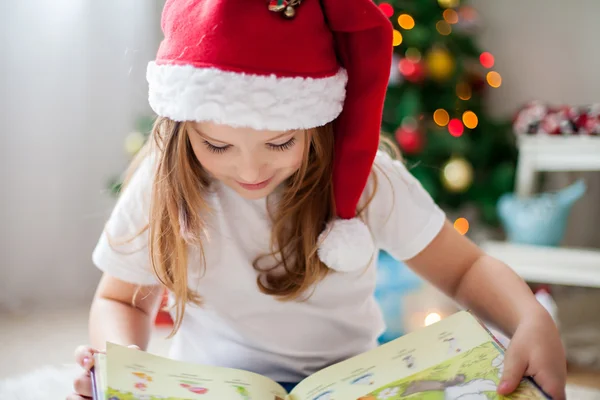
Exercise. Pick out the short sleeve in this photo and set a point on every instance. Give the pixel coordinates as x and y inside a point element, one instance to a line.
<point>402,216</point>
<point>122,250</point>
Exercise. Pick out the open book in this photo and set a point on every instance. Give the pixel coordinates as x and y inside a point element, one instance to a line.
<point>456,358</point>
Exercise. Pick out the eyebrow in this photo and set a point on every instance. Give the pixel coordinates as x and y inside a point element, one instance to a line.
<point>205,136</point>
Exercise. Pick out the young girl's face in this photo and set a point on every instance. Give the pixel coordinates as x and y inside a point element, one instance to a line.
<point>251,162</point>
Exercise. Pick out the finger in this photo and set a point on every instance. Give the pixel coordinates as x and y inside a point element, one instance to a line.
<point>84,356</point>
<point>83,385</point>
<point>133,346</point>
<point>552,385</point>
<point>515,365</point>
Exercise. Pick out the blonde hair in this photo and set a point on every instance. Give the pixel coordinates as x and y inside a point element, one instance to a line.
<point>177,206</point>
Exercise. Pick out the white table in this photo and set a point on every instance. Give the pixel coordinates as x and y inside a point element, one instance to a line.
<point>564,266</point>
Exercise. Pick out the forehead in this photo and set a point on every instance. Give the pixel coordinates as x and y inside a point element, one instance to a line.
<point>228,133</point>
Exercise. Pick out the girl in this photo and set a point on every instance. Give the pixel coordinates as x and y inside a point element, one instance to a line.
<point>261,202</point>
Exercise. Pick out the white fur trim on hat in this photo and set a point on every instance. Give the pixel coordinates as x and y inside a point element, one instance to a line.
<point>346,245</point>
<point>188,93</point>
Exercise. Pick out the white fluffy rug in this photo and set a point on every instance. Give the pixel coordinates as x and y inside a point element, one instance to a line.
<point>56,382</point>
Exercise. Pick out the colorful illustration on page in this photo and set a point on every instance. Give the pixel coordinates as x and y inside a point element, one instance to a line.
<point>328,395</point>
<point>243,392</point>
<point>192,387</point>
<point>141,381</point>
<point>366,379</point>
<point>472,375</point>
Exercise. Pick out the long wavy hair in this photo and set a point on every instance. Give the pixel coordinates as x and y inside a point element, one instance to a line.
<point>177,209</point>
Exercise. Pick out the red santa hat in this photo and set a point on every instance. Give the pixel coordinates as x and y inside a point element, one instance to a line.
<point>283,65</point>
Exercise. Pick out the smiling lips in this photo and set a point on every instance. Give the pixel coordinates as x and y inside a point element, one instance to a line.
<point>255,186</point>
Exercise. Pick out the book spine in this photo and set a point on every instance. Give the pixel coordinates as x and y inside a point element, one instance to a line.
<point>95,393</point>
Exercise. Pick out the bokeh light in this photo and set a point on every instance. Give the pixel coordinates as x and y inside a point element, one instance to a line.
<point>443,28</point>
<point>432,318</point>
<point>463,91</point>
<point>397,39</point>
<point>406,21</point>
<point>486,59</point>
<point>387,9</point>
<point>455,127</point>
<point>413,54</point>
<point>450,16</point>
<point>461,225</point>
<point>441,117</point>
<point>494,79</point>
<point>470,119</point>
<point>407,67</point>
<point>448,3</point>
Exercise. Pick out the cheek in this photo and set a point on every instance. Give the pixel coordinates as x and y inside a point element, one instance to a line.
<point>209,161</point>
<point>294,157</point>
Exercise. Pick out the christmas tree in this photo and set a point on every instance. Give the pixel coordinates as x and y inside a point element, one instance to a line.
<point>434,107</point>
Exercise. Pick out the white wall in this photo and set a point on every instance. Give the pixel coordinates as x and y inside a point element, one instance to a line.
<point>73,85</point>
<point>548,50</point>
<point>544,49</point>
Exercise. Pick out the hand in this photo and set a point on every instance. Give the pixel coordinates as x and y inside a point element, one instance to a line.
<point>84,356</point>
<point>536,350</point>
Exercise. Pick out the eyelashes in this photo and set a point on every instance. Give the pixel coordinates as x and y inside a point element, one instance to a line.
<point>277,147</point>
<point>283,146</point>
<point>215,149</point>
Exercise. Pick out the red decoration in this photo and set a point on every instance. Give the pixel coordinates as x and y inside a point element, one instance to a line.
<point>387,9</point>
<point>537,118</point>
<point>413,71</point>
<point>455,127</point>
<point>410,140</point>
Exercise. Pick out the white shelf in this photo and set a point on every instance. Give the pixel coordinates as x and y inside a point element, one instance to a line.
<point>554,153</point>
<point>561,153</point>
<point>552,265</point>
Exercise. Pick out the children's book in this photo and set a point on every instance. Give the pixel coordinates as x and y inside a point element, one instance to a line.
<point>455,358</point>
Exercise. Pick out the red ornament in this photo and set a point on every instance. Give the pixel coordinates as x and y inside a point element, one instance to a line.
<point>413,71</point>
<point>410,140</point>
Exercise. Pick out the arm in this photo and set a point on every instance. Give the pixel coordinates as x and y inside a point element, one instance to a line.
<point>122,313</point>
<point>496,294</point>
<point>477,281</point>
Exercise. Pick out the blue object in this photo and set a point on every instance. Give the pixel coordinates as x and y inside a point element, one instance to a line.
<point>288,386</point>
<point>394,280</point>
<point>539,220</point>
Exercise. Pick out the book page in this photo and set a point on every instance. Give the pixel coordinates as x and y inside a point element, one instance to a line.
<point>454,358</point>
<point>135,374</point>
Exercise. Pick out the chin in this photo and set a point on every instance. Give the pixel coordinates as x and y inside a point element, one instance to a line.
<point>253,194</point>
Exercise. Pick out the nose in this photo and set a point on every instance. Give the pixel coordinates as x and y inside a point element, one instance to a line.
<point>249,169</point>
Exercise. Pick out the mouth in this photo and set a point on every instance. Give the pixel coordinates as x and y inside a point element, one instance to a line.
<point>255,186</point>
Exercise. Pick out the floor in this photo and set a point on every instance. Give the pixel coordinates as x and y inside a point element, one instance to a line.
<point>49,338</point>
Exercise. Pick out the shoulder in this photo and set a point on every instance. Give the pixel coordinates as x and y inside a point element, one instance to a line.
<point>389,175</point>
<point>401,214</point>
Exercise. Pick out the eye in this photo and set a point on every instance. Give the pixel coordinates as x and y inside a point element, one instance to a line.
<point>215,149</point>
<point>283,146</point>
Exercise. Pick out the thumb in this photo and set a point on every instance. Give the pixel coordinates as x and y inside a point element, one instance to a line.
<point>515,365</point>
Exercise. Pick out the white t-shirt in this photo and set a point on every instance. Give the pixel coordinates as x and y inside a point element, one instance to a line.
<point>240,327</point>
